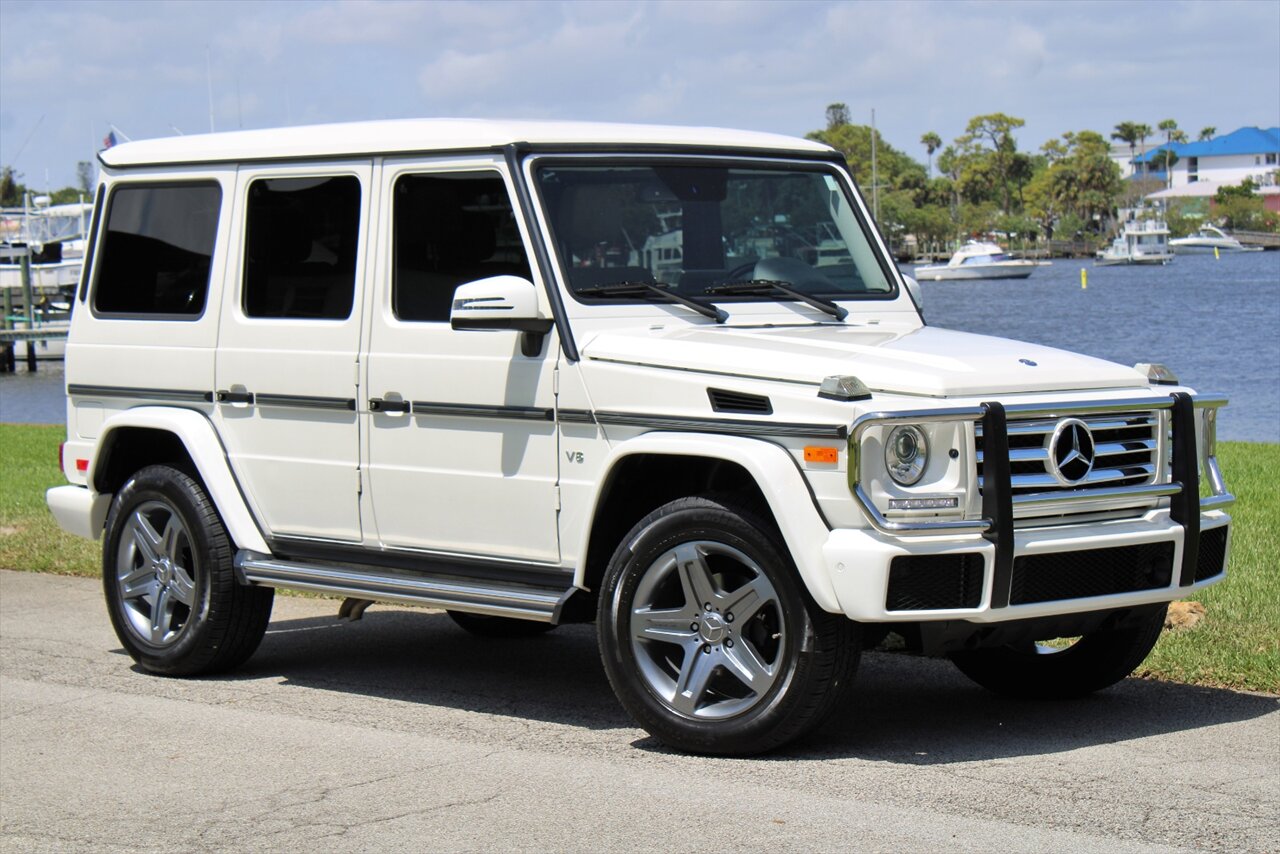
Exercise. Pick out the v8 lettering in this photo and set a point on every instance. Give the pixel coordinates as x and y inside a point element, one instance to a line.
<point>573,456</point>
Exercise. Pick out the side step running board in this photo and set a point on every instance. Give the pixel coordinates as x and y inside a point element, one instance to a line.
<point>494,598</point>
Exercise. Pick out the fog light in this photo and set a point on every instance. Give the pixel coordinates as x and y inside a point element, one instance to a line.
<point>906,453</point>
<point>936,502</point>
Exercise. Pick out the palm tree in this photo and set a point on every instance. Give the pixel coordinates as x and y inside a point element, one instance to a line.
<point>1206,134</point>
<point>1170,128</point>
<point>1127,132</point>
<point>931,142</point>
<point>1142,131</point>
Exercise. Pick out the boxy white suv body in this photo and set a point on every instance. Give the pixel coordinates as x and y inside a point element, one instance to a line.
<point>664,378</point>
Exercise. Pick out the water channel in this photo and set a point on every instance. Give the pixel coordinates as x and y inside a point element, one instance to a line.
<point>1215,322</point>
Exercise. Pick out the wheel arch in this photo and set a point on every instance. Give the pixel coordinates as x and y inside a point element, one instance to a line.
<point>704,463</point>
<point>184,439</point>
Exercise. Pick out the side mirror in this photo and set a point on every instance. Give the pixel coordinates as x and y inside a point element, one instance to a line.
<point>913,291</point>
<point>501,302</point>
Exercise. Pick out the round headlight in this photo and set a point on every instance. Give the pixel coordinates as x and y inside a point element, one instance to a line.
<point>906,453</point>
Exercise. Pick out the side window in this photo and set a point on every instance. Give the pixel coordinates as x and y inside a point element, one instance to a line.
<point>301,241</point>
<point>450,229</point>
<point>157,249</point>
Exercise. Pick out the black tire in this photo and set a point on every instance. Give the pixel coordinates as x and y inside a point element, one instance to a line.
<point>1097,660</point>
<point>801,657</point>
<point>221,622</point>
<point>499,627</point>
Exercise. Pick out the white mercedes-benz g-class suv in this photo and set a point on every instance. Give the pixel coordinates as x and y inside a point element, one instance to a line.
<point>668,379</point>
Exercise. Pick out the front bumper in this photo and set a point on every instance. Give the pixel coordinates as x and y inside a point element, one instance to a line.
<point>873,572</point>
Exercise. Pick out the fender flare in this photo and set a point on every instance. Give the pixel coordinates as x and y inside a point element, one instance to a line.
<point>197,435</point>
<point>775,472</point>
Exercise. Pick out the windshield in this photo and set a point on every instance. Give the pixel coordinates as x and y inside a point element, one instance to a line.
<point>695,230</point>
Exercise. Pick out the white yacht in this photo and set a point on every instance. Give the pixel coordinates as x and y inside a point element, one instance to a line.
<point>1141,241</point>
<point>977,260</point>
<point>1206,240</point>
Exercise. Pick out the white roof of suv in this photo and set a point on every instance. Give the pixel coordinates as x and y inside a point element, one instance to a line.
<point>412,135</point>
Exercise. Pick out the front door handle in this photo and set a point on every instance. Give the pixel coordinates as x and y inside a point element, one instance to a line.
<point>234,396</point>
<point>377,404</point>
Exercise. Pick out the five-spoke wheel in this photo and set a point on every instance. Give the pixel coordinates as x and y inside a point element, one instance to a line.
<point>708,637</point>
<point>168,576</point>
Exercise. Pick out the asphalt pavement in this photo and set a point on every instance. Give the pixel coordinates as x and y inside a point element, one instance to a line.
<point>401,732</point>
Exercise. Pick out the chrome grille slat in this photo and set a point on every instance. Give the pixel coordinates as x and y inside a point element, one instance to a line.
<point>1126,454</point>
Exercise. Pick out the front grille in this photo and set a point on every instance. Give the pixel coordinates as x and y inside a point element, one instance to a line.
<point>1095,572</point>
<point>1126,452</point>
<point>1212,555</point>
<point>926,582</point>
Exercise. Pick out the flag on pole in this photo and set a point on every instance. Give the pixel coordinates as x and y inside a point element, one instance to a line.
<point>109,140</point>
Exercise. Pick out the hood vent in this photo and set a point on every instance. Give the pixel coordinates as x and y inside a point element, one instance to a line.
<point>739,403</point>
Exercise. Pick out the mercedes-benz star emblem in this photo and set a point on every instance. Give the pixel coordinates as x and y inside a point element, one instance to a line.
<point>1071,451</point>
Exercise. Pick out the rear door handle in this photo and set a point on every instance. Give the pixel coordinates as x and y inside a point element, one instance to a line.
<point>234,396</point>
<point>377,404</point>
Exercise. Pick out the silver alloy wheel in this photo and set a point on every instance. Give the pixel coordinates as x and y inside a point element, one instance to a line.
<point>155,573</point>
<point>707,630</point>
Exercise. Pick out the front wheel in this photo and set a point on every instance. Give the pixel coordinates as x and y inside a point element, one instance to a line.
<point>169,581</point>
<point>709,639</point>
<point>1064,668</point>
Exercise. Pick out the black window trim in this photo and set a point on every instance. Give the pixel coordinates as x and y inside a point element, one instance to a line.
<point>418,170</point>
<point>363,236</point>
<point>96,269</point>
<point>91,245</point>
<point>792,161</point>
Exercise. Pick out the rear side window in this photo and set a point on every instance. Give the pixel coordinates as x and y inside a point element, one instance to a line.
<point>450,229</point>
<point>302,238</point>
<point>157,249</point>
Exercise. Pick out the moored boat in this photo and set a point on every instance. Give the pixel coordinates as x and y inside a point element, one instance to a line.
<point>977,260</point>
<point>1207,239</point>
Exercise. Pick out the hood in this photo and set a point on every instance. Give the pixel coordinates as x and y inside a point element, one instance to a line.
<point>919,360</point>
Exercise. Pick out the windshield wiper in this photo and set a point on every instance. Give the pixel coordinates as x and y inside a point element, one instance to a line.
<point>765,286</point>
<point>627,289</point>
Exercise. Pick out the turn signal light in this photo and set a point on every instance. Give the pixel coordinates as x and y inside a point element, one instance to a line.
<point>815,454</point>
<point>82,465</point>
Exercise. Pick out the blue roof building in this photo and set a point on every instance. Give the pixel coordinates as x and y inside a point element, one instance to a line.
<point>1249,152</point>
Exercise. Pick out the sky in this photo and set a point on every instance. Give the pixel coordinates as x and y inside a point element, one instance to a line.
<point>70,71</point>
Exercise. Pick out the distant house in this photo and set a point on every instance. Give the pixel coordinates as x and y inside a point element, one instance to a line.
<point>1229,159</point>
<point>1203,167</point>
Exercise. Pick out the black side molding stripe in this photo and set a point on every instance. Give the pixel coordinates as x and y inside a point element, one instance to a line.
<point>576,416</point>
<point>468,410</point>
<point>730,426</point>
<point>184,395</point>
<point>301,401</point>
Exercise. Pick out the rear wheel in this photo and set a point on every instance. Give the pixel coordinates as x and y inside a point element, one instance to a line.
<point>708,637</point>
<point>1063,668</point>
<point>169,581</point>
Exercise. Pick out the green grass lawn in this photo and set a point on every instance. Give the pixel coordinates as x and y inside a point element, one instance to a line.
<point>1236,645</point>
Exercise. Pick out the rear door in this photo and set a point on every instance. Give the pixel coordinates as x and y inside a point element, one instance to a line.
<point>286,372</point>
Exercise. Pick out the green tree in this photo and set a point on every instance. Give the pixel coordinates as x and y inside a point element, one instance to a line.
<point>931,142</point>
<point>11,191</point>
<point>837,115</point>
<point>1207,133</point>
<point>996,131</point>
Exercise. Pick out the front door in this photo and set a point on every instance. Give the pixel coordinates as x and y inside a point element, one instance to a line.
<point>286,372</point>
<point>462,442</point>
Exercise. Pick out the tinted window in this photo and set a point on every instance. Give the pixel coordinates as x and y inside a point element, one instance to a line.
<point>450,229</point>
<point>157,249</point>
<point>301,244</point>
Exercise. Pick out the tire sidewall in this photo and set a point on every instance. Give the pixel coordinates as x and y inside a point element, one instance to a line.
<point>653,537</point>
<point>177,491</point>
